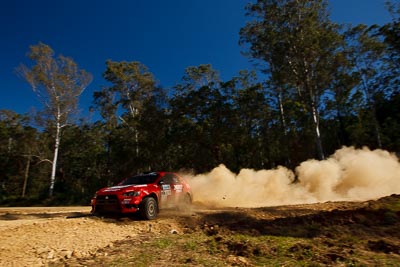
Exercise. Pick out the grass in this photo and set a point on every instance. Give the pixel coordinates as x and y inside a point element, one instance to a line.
<point>198,249</point>
<point>162,243</point>
<point>360,237</point>
<point>202,250</point>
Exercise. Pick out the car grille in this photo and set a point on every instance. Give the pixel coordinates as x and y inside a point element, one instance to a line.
<point>107,200</point>
<point>107,203</point>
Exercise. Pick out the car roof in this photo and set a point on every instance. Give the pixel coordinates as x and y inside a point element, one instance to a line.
<point>161,173</point>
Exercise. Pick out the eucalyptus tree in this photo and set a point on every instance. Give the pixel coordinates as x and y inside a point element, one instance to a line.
<point>392,29</point>
<point>83,162</point>
<point>132,85</point>
<point>132,82</point>
<point>368,53</point>
<point>104,102</point>
<point>341,101</point>
<point>18,144</point>
<point>390,107</point>
<point>196,77</point>
<point>197,109</point>
<point>252,119</point>
<point>58,83</point>
<point>391,34</point>
<point>297,42</point>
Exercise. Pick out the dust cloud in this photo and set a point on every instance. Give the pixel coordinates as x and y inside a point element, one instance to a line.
<point>348,175</point>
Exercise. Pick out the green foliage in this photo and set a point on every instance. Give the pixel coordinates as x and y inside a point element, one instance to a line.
<point>316,75</point>
<point>294,39</point>
<point>58,82</point>
<point>19,142</point>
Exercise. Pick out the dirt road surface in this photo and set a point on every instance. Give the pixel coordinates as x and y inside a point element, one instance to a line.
<point>38,236</point>
<point>47,236</point>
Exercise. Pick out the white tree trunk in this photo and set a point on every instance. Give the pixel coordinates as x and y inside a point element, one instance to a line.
<point>54,163</point>
<point>317,133</point>
<point>26,175</point>
<point>134,113</point>
<point>285,130</point>
<point>282,114</point>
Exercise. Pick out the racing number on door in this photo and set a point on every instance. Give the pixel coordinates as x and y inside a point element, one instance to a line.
<point>165,192</point>
<point>171,187</point>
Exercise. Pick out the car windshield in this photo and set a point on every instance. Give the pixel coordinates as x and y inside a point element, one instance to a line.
<point>140,179</point>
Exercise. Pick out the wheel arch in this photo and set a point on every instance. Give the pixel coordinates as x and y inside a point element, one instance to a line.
<point>153,195</point>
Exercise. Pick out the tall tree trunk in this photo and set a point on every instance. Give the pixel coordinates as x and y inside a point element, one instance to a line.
<point>26,174</point>
<point>54,163</point>
<point>320,150</point>
<point>315,118</point>
<point>284,127</point>
<point>376,125</point>
<point>58,82</point>
<point>134,113</point>
<point>282,114</point>
<point>378,134</point>
<point>371,103</point>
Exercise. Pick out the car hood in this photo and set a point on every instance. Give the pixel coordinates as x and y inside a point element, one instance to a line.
<point>120,188</point>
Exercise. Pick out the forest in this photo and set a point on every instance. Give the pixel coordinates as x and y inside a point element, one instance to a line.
<point>316,86</point>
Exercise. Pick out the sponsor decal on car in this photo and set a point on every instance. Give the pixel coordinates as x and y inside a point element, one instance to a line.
<point>178,188</point>
<point>165,187</point>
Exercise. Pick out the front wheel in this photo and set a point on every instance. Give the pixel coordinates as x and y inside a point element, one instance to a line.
<point>148,208</point>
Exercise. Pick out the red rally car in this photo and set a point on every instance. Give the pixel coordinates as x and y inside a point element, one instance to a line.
<point>145,193</point>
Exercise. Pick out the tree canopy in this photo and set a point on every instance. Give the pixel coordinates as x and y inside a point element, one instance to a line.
<point>316,86</point>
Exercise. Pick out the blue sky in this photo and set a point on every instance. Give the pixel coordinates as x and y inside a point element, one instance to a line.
<point>166,36</point>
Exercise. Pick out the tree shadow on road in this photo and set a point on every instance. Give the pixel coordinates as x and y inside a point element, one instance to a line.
<point>9,216</point>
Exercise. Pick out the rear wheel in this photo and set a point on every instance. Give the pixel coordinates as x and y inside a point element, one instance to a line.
<point>148,208</point>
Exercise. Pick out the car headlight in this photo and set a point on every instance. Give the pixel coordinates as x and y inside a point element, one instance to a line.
<point>131,194</point>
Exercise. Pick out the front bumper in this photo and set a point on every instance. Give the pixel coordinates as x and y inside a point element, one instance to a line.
<point>114,204</point>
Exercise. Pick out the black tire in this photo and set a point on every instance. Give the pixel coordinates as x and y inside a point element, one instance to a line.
<point>148,208</point>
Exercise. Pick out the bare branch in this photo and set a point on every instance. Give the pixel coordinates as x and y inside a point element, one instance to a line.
<point>41,160</point>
